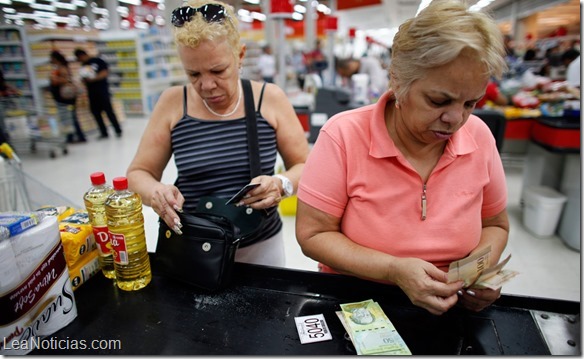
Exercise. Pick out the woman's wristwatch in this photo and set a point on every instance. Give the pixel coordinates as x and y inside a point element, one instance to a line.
<point>287,185</point>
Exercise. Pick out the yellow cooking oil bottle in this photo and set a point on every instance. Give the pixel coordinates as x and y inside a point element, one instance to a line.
<point>94,200</point>
<point>125,223</point>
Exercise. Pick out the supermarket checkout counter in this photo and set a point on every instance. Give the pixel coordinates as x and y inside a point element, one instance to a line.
<point>255,315</point>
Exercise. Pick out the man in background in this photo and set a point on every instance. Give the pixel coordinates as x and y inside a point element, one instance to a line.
<point>94,73</point>
<point>267,64</point>
<point>378,77</point>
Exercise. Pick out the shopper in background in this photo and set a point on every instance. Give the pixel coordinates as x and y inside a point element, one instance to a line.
<point>298,64</point>
<point>494,95</point>
<point>203,124</point>
<point>66,108</point>
<point>94,73</point>
<point>316,62</point>
<point>396,191</point>
<point>378,78</point>
<point>7,93</point>
<point>267,64</point>
<point>573,73</point>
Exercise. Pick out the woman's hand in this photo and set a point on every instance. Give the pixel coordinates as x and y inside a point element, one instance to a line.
<point>166,200</point>
<point>267,195</point>
<point>425,285</point>
<point>478,299</point>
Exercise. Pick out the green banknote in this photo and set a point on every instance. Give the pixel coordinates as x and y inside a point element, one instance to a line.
<point>371,331</point>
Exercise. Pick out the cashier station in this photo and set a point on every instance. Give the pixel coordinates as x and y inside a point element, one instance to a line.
<point>328,102</point>
<point>255,315</point>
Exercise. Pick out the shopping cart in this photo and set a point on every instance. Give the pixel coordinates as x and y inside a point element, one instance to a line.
<point>30,131</point>
<point>19,191</point>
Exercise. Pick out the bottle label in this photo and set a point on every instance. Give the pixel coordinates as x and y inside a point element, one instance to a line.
<point>101,236</point>
<point>119,250</point>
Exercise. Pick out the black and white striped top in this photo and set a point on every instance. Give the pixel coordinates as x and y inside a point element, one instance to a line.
<point>211,158</point>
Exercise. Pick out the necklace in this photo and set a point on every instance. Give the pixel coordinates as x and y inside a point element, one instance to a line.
<point>226,114</point>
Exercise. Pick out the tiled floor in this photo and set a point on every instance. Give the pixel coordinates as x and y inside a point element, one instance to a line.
<point>548,267</point>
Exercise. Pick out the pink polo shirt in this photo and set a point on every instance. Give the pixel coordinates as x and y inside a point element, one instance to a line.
<point>356,173</point>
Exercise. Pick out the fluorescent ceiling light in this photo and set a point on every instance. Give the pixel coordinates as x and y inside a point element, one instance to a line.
<point>79,3</point>
<point>258,16</point>
<point>43,7</point>
<point>44,13</point>
<point>297,16</point>
<point>324,9</point>
<point>480,4</point>
<point>254,2</point>
<point>132,2</point>
<point>299,8</point>
<point>8,10</point>
<point>25,1</point>
<point>64,5</point>
<point>6,2</point>
<point>424,4</point>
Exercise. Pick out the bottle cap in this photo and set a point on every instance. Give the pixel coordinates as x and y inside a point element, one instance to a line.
<point>97,178</point>
<point>120,183</point>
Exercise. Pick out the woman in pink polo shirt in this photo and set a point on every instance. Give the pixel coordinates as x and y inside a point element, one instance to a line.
<point>397,190</point>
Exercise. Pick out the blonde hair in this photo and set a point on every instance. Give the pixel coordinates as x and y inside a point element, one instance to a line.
<point>198,30</point>
<point>437,36</point>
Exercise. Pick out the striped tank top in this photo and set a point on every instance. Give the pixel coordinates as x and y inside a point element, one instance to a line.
<point>211,158</point>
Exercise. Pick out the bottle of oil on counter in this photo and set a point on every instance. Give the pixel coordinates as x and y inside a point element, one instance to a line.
<point>125,223</point>
<point>94,199</point>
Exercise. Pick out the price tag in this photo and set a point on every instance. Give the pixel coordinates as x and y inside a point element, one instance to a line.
<point>312,328</point>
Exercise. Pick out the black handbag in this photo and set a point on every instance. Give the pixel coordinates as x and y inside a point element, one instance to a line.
<point>203,255</point>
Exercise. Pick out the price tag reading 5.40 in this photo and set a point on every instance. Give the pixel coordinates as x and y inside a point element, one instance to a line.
<point>312,328</point>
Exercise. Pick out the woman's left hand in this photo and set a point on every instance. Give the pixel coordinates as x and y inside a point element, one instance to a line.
<point>267,195</point>
<point>478,299</point>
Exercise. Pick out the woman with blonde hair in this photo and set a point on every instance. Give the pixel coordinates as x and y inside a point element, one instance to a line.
<point>396,191</point>
<point>203,125</point>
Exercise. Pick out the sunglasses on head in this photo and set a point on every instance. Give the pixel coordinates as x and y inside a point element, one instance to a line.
<point>210,12</point>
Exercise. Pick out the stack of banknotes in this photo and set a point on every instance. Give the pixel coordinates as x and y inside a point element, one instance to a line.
<point>476,271</point>
<point>371,332</point>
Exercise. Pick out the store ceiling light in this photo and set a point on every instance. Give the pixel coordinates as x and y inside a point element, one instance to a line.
<point>423,4</point>
<point>6,2</point>
<point>132,2</point>
<point>299,8</point>
<point>7,10</point>
<point>297,16</point>
<point>481,4</point>
<point>43,7</point>
<point>254,2</point>
<point>79,3</point>
<point>258,16</point>
<point>64,5</point>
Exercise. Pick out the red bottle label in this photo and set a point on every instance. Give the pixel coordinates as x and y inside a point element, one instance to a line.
<point>101,236</point>
<point>119,250</point>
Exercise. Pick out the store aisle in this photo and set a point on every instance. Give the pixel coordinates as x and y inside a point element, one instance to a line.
<point>548,268</point>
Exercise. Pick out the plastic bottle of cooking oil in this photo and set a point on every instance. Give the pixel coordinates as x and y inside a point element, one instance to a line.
<point>94,199</point>
<point>125,223</point>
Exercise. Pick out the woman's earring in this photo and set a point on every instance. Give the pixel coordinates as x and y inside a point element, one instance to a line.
<point>396,104</point>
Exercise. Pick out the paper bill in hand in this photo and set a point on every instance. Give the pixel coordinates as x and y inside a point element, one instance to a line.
<point>312,328</point>
<point>476,273</point>
<point>495,282</point>
<point>469,269</point>
<point>371,331</point>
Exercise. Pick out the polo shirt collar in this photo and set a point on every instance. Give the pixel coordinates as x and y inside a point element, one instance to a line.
<point>461,143</point>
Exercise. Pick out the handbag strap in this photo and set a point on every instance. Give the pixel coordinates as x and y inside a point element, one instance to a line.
<point>253,146</point>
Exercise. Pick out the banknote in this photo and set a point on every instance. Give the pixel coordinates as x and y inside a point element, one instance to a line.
<point>469,269</point>
<point>495,282</point>
<point>371,331</point>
